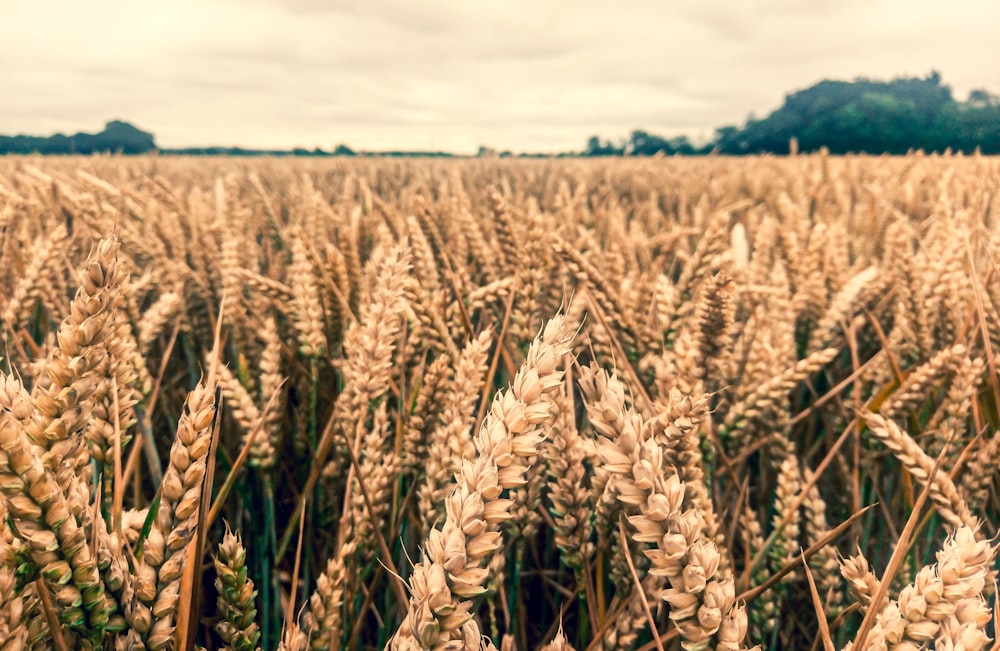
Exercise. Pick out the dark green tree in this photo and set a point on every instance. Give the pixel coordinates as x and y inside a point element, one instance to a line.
<point>117,138</point>
<point>597,147</point>
<point>872,116</point>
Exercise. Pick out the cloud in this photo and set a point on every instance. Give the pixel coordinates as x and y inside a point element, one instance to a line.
<point>453,74</point>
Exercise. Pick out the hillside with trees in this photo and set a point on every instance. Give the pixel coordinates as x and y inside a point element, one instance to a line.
<point>863,115</point>
<point>117,137</point>
<point>874,117</point>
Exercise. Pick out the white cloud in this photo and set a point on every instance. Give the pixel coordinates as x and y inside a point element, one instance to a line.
<point>452,74</point>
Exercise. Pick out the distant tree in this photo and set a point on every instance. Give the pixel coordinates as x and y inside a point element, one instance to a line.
<point>343,150</point>
<point>681,145</point>
<point>980,97</point>
<point>595,147</point>
<point>728,139</point>
<point>117,137</point>
<point>122,137</point>
<point>641,143</point>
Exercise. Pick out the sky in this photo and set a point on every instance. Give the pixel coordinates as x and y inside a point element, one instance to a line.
<point>523,75</point>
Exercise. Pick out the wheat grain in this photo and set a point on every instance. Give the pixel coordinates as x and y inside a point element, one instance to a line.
<point>238,627</point>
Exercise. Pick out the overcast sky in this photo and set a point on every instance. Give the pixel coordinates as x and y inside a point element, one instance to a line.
<point>527,75</point>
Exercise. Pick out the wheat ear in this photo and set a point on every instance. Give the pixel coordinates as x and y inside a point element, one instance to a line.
<point>950,503</point>
<point>702,608</point>
<point>454,569</point>
<point>237,626</point>
<point>151,598</point>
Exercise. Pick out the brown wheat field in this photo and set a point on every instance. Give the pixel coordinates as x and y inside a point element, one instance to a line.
<point>704,403</point>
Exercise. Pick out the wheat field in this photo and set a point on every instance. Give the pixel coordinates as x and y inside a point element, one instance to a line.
<point>704,403</point>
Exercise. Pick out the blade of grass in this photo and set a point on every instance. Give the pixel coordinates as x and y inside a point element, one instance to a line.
<point>230,481</point>
<point>638,585</point>
<point>508,310</point>
<point>397,585</point>
<point>824,628</point>
<point>48,609</point>
<point>188,606</point>
<point>898,554</point>
<point>830,536</point>
<point>295,569</point>
<point>118,489</point>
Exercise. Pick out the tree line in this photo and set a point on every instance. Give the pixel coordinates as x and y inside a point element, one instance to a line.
<point>875,117</point>
<point>862,116</point>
